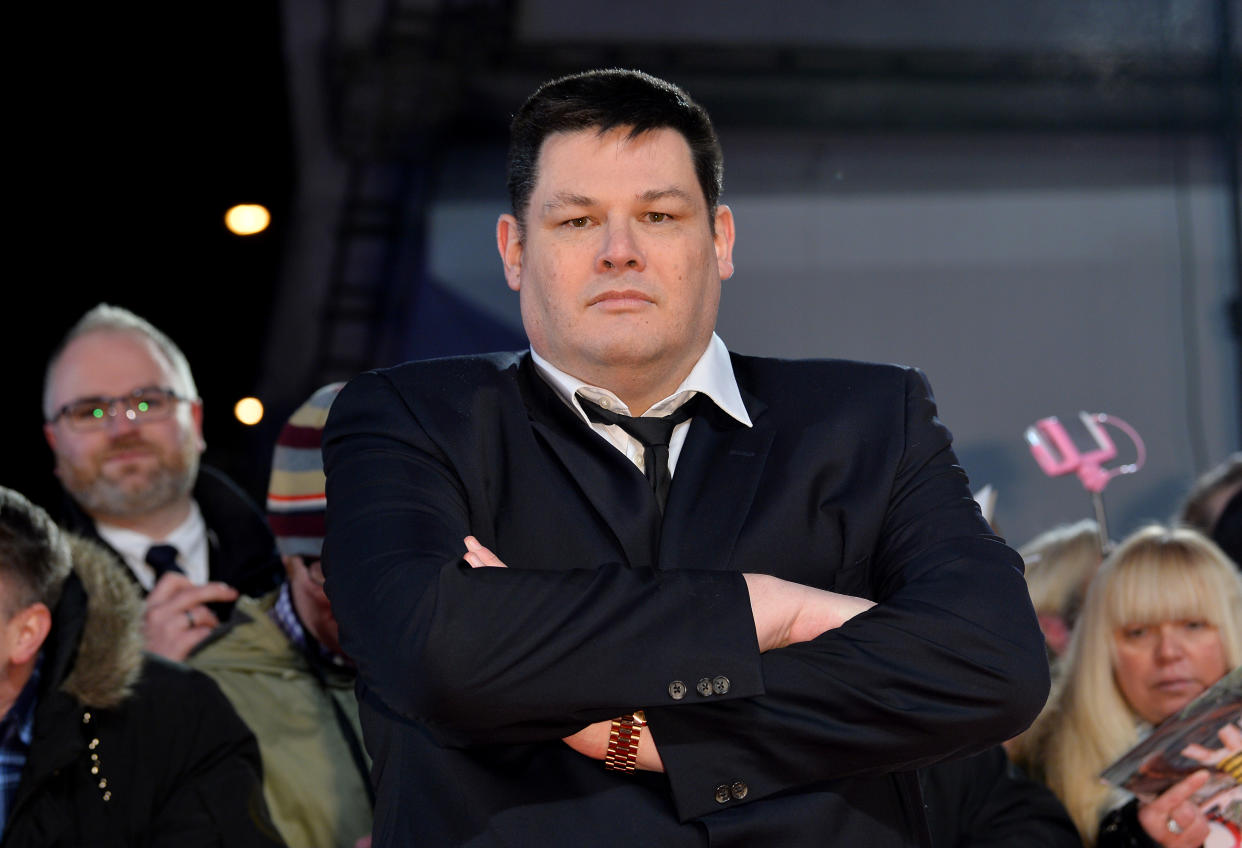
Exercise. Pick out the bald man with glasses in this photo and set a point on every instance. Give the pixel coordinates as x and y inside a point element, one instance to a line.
<point>124,421</point>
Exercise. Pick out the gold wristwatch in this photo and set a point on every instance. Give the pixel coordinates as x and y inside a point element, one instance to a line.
<point>623,742</point>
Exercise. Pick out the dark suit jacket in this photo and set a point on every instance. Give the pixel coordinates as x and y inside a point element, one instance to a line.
<point>469,677</point>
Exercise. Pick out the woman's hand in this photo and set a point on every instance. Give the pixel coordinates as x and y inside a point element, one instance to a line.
<point>1172,819</point>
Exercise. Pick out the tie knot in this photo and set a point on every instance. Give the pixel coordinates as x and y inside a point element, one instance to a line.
<point>649,430</point>
<point>162,558</point>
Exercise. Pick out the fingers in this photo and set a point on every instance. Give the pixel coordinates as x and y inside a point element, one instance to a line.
<point>176,618</point>
<point>1231,737</point>
<point>1172,819</point>
<point>1199,754</point>
<point>478,556</point>
<point>168,586</point>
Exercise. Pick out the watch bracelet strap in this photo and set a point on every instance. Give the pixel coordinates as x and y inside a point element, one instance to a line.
<point>623,737</point>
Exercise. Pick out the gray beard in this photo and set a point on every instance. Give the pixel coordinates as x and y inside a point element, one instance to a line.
<point>166,485</point>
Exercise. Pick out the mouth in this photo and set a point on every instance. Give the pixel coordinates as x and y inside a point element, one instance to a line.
<point>622,298</point>
<point>1177,686</point>
<point>128,455</point>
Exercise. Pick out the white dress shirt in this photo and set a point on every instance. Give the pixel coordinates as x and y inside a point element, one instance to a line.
<point>712,375</point>
<point>189,538</point>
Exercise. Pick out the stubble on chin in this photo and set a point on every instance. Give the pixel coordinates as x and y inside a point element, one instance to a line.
<point>128,492</point>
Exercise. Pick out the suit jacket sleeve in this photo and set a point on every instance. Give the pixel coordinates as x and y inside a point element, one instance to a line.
<point>949,662</point>
<point>486,656</point>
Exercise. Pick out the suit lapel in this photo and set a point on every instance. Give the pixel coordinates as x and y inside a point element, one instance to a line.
<point>613,485</point>
<point>714,486</point>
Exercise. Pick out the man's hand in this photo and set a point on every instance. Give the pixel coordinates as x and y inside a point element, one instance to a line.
<point>592,741</point>
<point>786,613</point>
<point>479,556</point>
<point>176,619</point>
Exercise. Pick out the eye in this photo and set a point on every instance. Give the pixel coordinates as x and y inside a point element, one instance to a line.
<point>1136,631</point>
<point>1196,624</point>
<point>578,223</point>
<point>150,400</point>
<point>657,217</point>
<point>88,410</point>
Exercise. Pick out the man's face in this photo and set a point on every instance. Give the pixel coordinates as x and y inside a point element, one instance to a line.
<point>617,267</point>
<point>306,585</point>
<point>126,468</point>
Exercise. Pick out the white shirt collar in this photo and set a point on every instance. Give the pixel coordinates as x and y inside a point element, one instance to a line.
<point>712,375</point>
<point>189,538</point>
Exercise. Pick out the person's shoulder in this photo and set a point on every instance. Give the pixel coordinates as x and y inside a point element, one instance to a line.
<point>822,367</point>
<point>164,682</point>
<point>248,639</point>
<point>462,370</point>
<point>213,489</point>
<point>450,391</point>
<point>832,380</point>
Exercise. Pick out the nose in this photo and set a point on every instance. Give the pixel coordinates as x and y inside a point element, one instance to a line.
<point>1171,646</point>
<point>121,419</point>
<point>619,250</point>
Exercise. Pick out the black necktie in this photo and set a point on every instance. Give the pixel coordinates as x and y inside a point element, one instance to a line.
<point>654,433</point>
<point>163,558</point>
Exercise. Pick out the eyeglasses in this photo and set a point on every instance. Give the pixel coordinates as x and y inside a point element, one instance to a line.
<point>150,403</point>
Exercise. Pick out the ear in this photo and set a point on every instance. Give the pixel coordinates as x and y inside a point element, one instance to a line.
<point>49,433</point>
<point>724,241</point>
<point>196,415</point>
<point>509,243</point>
<point>28,628</point>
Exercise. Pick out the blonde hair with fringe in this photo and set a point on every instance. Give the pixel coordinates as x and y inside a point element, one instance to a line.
<point>1157,574</point>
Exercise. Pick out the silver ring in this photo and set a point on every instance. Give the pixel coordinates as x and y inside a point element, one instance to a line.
<point>189,616</point>
<point>1173,826</point>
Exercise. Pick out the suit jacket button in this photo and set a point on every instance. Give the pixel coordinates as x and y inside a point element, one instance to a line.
<point>704,687</point>
<point>677,690</point>
<point>720,685</point>
<point>722,793</point>
<point>738,790</point>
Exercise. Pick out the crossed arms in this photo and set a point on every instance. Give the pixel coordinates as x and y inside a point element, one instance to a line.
<point>949,661</point>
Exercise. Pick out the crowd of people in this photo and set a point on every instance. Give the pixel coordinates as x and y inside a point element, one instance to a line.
<point>814,638</point>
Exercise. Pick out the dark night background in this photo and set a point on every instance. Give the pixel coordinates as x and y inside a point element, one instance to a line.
<point>158,125</point>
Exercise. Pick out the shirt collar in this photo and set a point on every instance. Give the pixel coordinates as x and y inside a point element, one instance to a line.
<point>17,726</point>
<point>189,538</point>
<point>712,375</point>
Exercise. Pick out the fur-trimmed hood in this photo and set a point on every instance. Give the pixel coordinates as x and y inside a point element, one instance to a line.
<point>109,652</point>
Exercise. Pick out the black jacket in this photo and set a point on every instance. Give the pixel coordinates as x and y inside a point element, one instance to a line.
<point>129,749</point>
<point>470,677</point>
<point>985,801</point>
<point>242,552</point>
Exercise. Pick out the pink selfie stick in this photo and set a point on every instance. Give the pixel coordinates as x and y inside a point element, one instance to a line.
<point>1057,454</point>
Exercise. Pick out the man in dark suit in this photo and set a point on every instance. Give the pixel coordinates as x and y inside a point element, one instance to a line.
<point>556,644</point>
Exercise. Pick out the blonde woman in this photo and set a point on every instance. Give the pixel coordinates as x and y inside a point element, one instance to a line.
<point>1160,624</point>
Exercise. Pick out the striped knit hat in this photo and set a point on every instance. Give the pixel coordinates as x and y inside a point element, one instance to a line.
<point>296,503</point>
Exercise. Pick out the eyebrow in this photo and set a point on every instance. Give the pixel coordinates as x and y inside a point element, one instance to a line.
<point>673,192</point>
<point>566,198</point>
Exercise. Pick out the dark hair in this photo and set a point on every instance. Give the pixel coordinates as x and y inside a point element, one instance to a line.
<point>605,100</point>
<point>1197,509</point>
<point>34,555</point>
